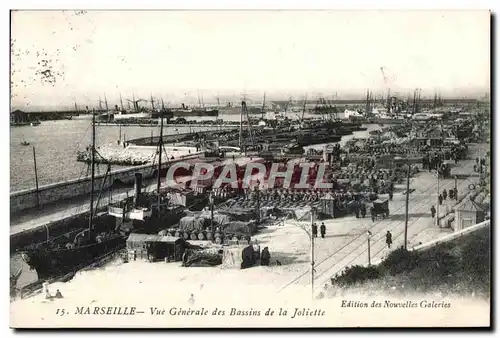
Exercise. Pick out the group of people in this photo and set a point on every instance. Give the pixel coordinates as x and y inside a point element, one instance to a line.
<point>452,194</point>
<point>322,230</point>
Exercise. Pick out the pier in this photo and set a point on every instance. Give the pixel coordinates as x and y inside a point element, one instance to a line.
<point>61,191</point>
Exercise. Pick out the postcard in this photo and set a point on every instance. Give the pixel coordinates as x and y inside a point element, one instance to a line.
<point>250,169</point>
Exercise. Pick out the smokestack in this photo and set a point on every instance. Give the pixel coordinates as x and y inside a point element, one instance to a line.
<point>137,187</point>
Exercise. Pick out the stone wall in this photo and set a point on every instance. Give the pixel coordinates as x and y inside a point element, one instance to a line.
<point>27,199</point>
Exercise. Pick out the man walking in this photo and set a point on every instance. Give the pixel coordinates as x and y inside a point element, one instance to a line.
<point>314,230</point>
<point>363,210</point>
<point>322,230</point>
<point>433,211</point>
<point>388,239</point>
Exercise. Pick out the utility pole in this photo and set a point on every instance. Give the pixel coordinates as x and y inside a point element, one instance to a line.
<point>456,190</point>
<point>437,200</point>
<point>312,254</point>
<point>369,247</point>
<point>407,203</point>
<point>36,179</point>
<point>211,200</point>
<point>258,202</point>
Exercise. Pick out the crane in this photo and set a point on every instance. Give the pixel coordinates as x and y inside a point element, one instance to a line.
<point>244,111</point>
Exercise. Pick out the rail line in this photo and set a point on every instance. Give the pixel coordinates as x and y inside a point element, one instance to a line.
<point>391,225</point>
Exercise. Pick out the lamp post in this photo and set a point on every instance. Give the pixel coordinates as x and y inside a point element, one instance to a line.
<point>369,234</point>
<point>257,190</point>
<point>312,253</point>
<point>407,204</point>
<point>437,200</point>
<point>211,201</point>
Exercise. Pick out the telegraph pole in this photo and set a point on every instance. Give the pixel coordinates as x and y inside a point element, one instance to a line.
<point>407,203</point>
<point>211,197</point>
<point>36,179</point>
<point>437,200</point>
<point>312,254</point>
<point>369,248</point>
<point>456,190</point>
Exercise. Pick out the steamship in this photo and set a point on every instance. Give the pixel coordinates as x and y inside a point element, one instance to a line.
<point>191,111</point>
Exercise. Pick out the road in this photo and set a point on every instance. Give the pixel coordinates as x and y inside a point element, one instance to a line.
<point>346,241</point>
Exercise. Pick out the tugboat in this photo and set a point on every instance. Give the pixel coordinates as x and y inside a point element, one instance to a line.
<point>78,248</point>
<point>146,213</point>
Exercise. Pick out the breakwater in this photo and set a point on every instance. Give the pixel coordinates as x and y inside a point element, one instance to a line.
<point>30,198</point>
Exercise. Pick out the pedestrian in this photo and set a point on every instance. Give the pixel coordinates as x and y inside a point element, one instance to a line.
<point>363,210</point>
<point>450,193</point>
<point>322,230</point>
<point>372,213</point>
<point>444,194</point>
<point>58,294</point>
<point>388,239</point>
<point>265,257</point>
<point>314,230</point>
<point>433,211</point>
<point>440,198</point>
<point>455,193</point>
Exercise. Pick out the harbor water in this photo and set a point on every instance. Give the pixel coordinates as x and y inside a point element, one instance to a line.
<point>57,143</point>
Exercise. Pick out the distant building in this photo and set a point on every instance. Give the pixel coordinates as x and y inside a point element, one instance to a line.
<point>18,116</point>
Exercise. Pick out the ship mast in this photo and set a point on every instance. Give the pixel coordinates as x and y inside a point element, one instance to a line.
<point>304,108</point>
<point>121,102</point>
<point>160,145</point>
<point>92,165</point>
<point>263,106</point>
<point>152,102</point>
<point>106,102</point>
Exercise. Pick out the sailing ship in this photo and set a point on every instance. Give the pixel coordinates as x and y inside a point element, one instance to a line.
<point>78,248</point>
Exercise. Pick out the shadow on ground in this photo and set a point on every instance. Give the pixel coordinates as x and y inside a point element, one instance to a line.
<point>284,258</point>
<point>402,217</point>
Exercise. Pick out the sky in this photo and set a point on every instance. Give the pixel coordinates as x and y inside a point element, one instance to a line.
<point>177,54</point>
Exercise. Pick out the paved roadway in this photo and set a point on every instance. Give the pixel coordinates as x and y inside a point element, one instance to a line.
<point>346,242</point>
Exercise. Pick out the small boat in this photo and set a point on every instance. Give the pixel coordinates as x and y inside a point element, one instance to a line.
<point>25,143</point>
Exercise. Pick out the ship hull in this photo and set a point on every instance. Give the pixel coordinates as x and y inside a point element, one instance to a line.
<point>50,263</point>
<point>306,141</point>
<point>195,112</point>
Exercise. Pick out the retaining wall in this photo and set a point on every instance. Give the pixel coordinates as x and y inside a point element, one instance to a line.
<point>27,199</point>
